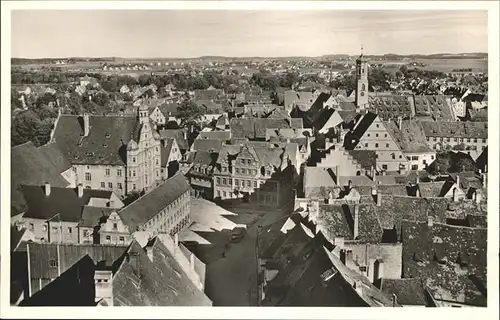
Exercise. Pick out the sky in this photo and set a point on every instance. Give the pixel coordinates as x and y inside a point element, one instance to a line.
<point>232,33</point>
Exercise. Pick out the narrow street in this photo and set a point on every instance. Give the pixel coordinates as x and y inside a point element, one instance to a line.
<point>232,280</point>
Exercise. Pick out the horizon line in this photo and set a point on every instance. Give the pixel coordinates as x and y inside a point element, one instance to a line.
<point>254,57</point>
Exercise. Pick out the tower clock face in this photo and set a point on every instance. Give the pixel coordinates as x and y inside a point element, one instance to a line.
<point>362,93</point>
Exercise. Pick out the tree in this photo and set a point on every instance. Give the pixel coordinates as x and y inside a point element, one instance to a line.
<point>189,112</point>
<point>15,99</point>
<point>25,128</point>
<point>464,164</point>
<point>441,165</point>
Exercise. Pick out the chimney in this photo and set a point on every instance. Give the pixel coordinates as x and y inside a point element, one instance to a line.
<point>86,124</point>
<point>47,189</point>
<point>373,173</point>
<point>485,168</point>
<point>483,179</point>
<point>133,259</point>
<point>349,185</point>
<point>103,282</point>
<point>455,194</point>
<point>384,172</point>
<point>149,252</point>
<point>374,190</point>
<point>400,122</point>
<point>379,199</point>
<point>478,196</point>
<point>458,180</point>
<point>356,221</point>
<point>394,300</point>
<point>80,190</point>
<point>418,180</point>
<point>417,192</point>
<point>176,240</point>
<point>430,221</point>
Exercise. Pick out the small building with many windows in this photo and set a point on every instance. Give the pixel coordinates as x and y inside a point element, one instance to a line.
<point>468,136</point>
<point>166,209</point>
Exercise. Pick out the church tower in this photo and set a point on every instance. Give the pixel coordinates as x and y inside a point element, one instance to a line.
<point>361,83</point>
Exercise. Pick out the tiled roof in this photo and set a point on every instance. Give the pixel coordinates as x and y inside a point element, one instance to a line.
<point>222,135</point>
<point>204,160</point>
<point>361,128</point>
<point>63,201</point>
<point>366,158</point>
<point>105,144</point>
<point>165,150</point>
<point>91,216</point>
<point>169,109</point>
<point>391,106</point>
<point>146,207</point>
<point>410,137</point>
<point>434,106</point>
<point>408,291</point>
<point>162,283</point>
<point>347,115</point>
<point>210,106</point>
<point>30,166</point>
<point>336,220</point>
<point>466,129</point>
<point>450,260</point>
<point>178,134</point>
<point>52,152</point>
<point>207,145</point>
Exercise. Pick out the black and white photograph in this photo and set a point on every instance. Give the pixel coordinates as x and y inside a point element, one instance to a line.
<point>249,157</point>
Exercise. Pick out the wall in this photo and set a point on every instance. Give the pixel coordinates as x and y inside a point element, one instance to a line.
<point>117,176</point>
<point>114,231</point>
<point>378,139</point>
<point>173,218</point>
<point>40,229</point>
<point>339,157</point>
<point>420,160</point>
<point>477,145</point>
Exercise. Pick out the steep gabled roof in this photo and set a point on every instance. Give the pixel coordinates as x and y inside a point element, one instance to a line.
<point>408,291</point>
<point>146,207</point>
<point>162,281</point>
<point>31,166</point>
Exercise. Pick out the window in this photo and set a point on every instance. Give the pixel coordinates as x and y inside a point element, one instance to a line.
<point>74,169</point>
<point>435,139</point>
<point>243,171</point>
<point>367,134</point>
<point>108,238</point>
<point>424,162</point>
<point>115,226</point>
<point>387,145</point>
<point>376,145</point>
<point>456,139</point>
<point>133,186</point>
<point>236,182</point>
<point>103,185</point>
<point>468,140</point>
<point>393,156</point>
<point>238,170</point>
<point>88,176</point>
<point>119,185</point>
<point>432,157</point>
<point>85,233</point>
<point>110,185</point>
<point>414,167</point>
<point>248,183</point>
<point>70,230</point>
<point>255,184</point>
<point>119,172</point>
<point>475,140</point>
<point>400,157</point>
<point>242,161</point>
<point>218,180</point>
<point>53,263</point>
<point>224,193</point>
<point>156,160</point>
<point>249,162</point>
<point>376,135</point>
<point>385,135</point>
<point>448,139</point>
<point>378,126</point>
<point>224,181</point>
<point>107,171</point>
<point>224,169</point>
<point>129,173</point>
<point>484,147</point>
<point>242,183</point>
<point>133,173</point>
<point>122,239</point>
<point>133,159</point>
<point>366,145</point>
<point>384,166</point>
